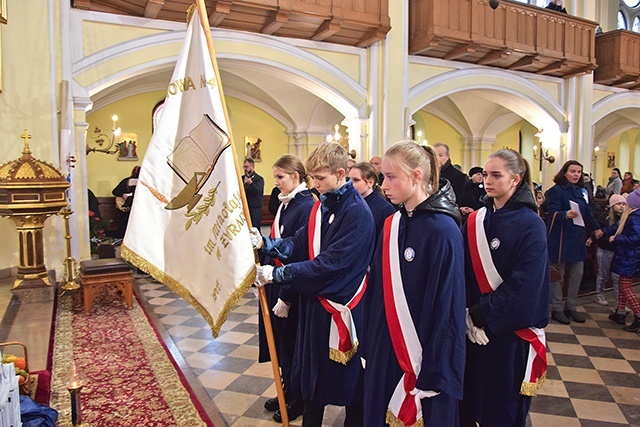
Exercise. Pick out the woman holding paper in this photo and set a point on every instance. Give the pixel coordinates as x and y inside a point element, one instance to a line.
<point>569,223</point>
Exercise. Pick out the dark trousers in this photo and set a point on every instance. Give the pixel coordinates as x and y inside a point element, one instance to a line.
<point>312,416</point>
<point>256,216</point>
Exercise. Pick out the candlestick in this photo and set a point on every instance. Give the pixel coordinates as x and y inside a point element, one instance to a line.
<point>75,382</point>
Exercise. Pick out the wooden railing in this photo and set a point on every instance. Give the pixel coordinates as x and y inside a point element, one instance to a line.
<point>618,56</point>
<point>515,36</point>
<point>348,22</point>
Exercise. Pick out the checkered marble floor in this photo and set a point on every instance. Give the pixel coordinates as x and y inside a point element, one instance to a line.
<point>593,377</point>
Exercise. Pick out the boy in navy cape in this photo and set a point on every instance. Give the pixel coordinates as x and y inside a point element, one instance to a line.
<point>327,263</point>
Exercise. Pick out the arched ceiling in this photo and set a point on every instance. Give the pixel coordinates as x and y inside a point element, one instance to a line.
<point>298,109</point>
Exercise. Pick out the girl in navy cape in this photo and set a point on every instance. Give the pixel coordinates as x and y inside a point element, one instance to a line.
<point>507,276</point>
<point>415,337</point>
<point>292,214</point>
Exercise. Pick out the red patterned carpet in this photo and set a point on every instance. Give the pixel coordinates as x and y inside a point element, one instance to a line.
<point>130,379</point>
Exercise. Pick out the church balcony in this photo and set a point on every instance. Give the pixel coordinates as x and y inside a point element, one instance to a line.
<point>514,36</point>
<point>618,55</point>
<point>348,22</point>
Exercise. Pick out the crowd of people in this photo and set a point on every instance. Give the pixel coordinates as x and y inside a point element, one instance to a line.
<point>409,292</point>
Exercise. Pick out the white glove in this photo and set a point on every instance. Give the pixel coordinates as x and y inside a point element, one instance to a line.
<point>256,238</point>
<point>281,309</point>
<point>476,335</point>
<point>470,326</point>
<point>264,274</point>
<point>481,336</point>
<point>127,195</point>
<point>364,362</point>
<point>424,394</point>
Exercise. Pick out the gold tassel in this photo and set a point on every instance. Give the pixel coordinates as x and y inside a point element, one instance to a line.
<point>394,421</point>
<point>531,389</point>
<point>342,357</point>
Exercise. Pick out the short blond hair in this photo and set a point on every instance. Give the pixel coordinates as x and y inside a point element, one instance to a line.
<point>328,155</point>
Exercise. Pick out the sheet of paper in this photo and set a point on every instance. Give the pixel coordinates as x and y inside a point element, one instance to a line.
<point>576,208</point>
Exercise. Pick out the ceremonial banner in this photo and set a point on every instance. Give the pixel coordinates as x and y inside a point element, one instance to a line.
<point>187,226</point>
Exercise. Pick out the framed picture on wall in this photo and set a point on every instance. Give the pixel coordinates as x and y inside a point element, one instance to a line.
<point>253,148</point>
<point>611,160</point>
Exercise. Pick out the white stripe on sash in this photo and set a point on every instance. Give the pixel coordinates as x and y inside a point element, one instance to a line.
<point>408,330</point>
<point>490,270</point>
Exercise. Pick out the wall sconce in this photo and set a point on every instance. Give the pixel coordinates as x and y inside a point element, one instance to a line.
<point>105,143</point>
<point>342,140</point>
<point>543,155</point>
<point>419,137</point>
<point>596,151</point>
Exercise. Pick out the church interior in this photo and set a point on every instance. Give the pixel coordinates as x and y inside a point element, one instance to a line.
<point>82,85</point>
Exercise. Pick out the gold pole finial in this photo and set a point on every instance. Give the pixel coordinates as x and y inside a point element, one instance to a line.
<point>190,11</point>
<point>26,138</point>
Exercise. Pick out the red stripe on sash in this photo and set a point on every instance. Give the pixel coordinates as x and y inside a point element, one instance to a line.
<point>408,411</point>
<point>311,228</point>
<point>476,262</point>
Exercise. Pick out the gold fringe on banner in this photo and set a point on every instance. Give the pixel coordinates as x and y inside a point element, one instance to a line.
<point>144,265</point>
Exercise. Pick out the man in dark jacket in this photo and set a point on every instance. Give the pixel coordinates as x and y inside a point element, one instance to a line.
<point>450,173</point>
<point>254,189</point>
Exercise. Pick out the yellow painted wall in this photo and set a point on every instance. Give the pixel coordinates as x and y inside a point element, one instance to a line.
<point>436,130</point>
<point>247,120</point>
<point>25,103</point>
<point>105,171</point>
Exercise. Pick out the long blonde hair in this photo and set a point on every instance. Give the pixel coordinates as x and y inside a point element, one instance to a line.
<point>627,211</point>
<point>414,156</point>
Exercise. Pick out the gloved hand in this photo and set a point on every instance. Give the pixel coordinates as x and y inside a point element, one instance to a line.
<point>281,309</point>
<point>470,327</point>
<point>264,274</point>
<point>424,394</point>
<point>256,238</point>
<point>476,335</point>
<point>481,336</point>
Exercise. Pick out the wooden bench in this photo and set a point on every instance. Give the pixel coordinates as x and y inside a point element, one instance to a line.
<point>96,274</point>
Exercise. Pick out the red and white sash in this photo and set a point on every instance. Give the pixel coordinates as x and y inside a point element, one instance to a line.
<point>489,280</point>
<point>343,340</point>
<point>404,409</point>
<point>275,231</point>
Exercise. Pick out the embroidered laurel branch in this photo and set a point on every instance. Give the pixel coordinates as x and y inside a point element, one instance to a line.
<point>202,210</point>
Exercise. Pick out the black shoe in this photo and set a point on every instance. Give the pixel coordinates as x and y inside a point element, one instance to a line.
<point>635,326</point>
<point>574,315</point>
<point>619,318</point>
<point>559,317</point>
<point>294,410</point>
<point>272,405</point>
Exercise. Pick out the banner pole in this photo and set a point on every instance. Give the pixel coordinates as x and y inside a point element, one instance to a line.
<point>275,366</point>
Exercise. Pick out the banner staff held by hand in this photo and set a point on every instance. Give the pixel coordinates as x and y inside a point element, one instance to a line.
<point>202,13</point>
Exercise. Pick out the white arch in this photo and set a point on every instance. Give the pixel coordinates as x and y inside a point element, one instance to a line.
<point>305,80</point>
<point>526,98</point>
<point>613,103</point>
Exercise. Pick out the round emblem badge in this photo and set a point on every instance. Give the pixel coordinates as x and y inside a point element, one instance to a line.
<point>409,254</point>
<point>495,243</point>
<point>331,218</point>
<point>281,229</point>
